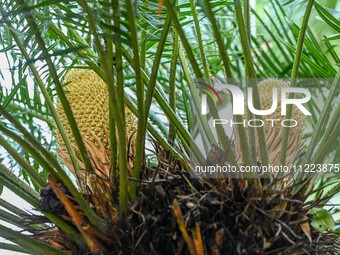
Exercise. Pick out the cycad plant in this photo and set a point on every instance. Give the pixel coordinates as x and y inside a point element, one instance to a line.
<point>98,127</point>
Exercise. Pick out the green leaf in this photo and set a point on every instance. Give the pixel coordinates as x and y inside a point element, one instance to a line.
<point>322,220</point>
<point>328,17</point>
<point>288,2</point>
<point>292,1</point>
<point>7,48</point>
<point>27,242</point>
<point>10,97</point>
<point>333,37</point>
<point>12,247</point>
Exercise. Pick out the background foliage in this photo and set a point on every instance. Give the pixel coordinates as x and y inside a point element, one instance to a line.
<point>151,52</point>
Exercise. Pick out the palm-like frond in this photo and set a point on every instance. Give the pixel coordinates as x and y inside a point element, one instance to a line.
<point>147,60</point>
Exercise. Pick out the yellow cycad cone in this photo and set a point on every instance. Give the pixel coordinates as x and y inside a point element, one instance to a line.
<point>274,129</point>
<point>88,97</point>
